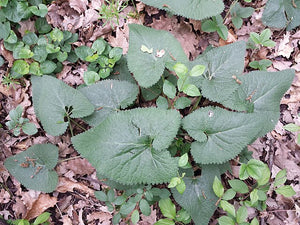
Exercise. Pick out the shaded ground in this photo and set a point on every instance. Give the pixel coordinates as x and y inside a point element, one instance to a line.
<point>73,201</point>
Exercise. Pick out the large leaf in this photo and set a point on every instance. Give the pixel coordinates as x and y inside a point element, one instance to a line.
<point>108,96</point>
<point>148,66</point>
<point>52,99</point>
<point>34,168</point>
<point>281,13</point>
<point>198,198</point>
<point>194,9</point>
<point>222,64</point>
<point>130,147</point>
<point>15,10</point>
<point>220,134</point>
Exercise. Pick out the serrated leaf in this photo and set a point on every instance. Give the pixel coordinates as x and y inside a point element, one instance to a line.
<point>15,10</point>
<point>286,191</point>
<point>281,13</point>
<point>114,95</point>
<point>198,198</point>
<point>147,68</point>
<point>131,146</point>
<point>51,98</point>
<point>162,103</point>
<point>21,67</point>
<point>220,134</point>
<point>34,168</point>
<point>167,208</point>
<point>101,196</point>
<point>194,9</point>
<point>127,208</point>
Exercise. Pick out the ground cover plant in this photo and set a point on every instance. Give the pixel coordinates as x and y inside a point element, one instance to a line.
<point>159,128</point>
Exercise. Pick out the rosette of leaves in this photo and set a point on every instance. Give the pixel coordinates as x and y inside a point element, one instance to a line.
<point>194,9</point>
<point>56,104</point>
<point>130,147</point>
<point>102,58</point>
<point>34,168</point>
<point>281,13</point>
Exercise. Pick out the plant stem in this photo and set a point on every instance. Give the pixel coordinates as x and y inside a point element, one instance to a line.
<point>169,102</point>
<point>196,104</point>
<point>70,126</point>
<point>77,124</point>
<point>227,14</point>
<point>71,158</point>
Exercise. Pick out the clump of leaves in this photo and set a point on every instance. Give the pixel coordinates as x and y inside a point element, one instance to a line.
<point>215,24</point>
<point>18,123</point>
<point>40,220</point>
<point>110,11</point>
<point>261,64</point>
<point>263,39</point>
<point>238,13</point>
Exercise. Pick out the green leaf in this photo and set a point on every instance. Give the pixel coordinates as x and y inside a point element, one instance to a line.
<point>226,220</point>
<point>229,194</point>
<point>52,99</point>
<point>41,10</point>
<point>99,46</point>
<point>145,207</point>
<point>292,127</point>
<point>174,182</point>
<point>135,217</point>
<point>130,141</point>
<point>167,208</point>
<point>47,67</point>
<point>50,48</point>
<point>238,12</point>
<point>169,89</point>
<point>280,178</point>
<point>265,177</point>
<point>261,195</point>
<point>34,69</point>
<point>162,103</point>
<point>101,196</point>
<point>114,95</point>
<point>254,221</point>
<point>22,52</point>
<point>280,14</point>
<point>21,67</point>
<point>238,186</point>
<point>218,187</point>
<point>116,53</point>
<point>90,77</point>
<point>191,90</point>
<point>1,61</point>
<point>83,51</point>
<point>197,71</point>
<point>198,198</point>
<point>194,9</point>
<point>220,134</point>
<point>183,160</point>
<point>30,38</point>
<point>12,38</point>
<point>15,10</point>
<point>255,168</point>
<point>164,222</point>
<point>148,68</point>
<point>4,30</point>
<point>182,103</point>
<point>241,214</point>
<point>34,168</point>
<point>40,53</point>
<point>181,187</point>
<point>227,207</point>
<point>181,70</point>
<point>127,208</point>
<point>3,3</point>
<point>42,218</point>
<point>29,128</point>
<point>243,175</point>
<point>42,25</point>
<point>286,191</point>
<point>57,35</point>
<point>261,64</point>
<point>183,216</point>
<point>62,56</point>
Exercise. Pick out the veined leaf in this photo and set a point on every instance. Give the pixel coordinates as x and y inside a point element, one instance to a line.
<point>147,68</point>
<point>108,96</point>
<point>34,167</point>
<point>130,147</point>
<point>194,9</point>
<point>52,98</point>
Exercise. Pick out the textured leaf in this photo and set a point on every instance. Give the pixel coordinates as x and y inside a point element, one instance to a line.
<point>34,167</point>
<point>199,199</point>
<point>281,13</point>
<point>108,96</point>
<point>15,10</point>
<point>148,68</point>
<point>51,98</point>
<point>194,9</point>
<point>220,134</point>
<point>130,146</point>
<point>167,208</point>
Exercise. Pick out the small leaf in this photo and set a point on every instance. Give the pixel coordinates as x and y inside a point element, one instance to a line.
<point>164,222</point>
<point>83,51</point>
<point>169,89</point>
<point>183,160</point>
<point>42,26</point>
<point>47,67</point>
<point>226,220</point>
<point>261,195</point>
<point>167,208</point>
<point>90,77</point>
<point>21,67</point>
<point>239,186</point>
<point>57,35</point>
<point>181,70</point>
<point>280,178</point>
<point>181,187</point>
<point>218,187</point>
<point>144,48</point>
<point>145,207</point>
<point>243,175</point>
<point>162,103</point>
<point>255,168</point>
<point>99,46</point>
<point>191,90</point>
<point>254,196</point>
<point>197,70</point>
<point>254,221</point>
<point>226,206</point>
<point>174,182</point>
<point>127,208</point>
<point>135,217</point>
<point>182,103</point>
<point>29,128</point>
<point>292,127</point>
<point>241,214</point>
<point>286,191</point>
<point>116,218</point>
<point>42,218</point>
<point>229,194</point>
<point>101,196</point>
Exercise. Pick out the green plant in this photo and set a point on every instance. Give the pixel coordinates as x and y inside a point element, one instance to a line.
<point>9,81</point>
<point>263,39</point>
<point>261,64</point>
<point>41,219</point>
<point>280,14</point>
<point>238,13</point>
<point>293,128</point>
<point>254,196</point>
<point>18,123</point>
<point>215,24</point>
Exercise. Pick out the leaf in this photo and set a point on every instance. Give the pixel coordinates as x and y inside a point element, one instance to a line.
<point>227,207</point>
<point>281,13</point>
<point>226,220</point>
<point>238,186</point>
<point>238,12</point>
<point>194,9</point>
<point>280,178</point>
<point>42,25</point>
<point>169,89</point>
<point>229,194</point>
<point>164,222</point>
<point>15,10</point>
<point>57,35</point>
<point>135,217</point>
<point>30,38</point>
<point>114,95</point>
<point>286,191</point>
<point>220,135</point>
<point>99,46</point>
<point>147,68</point>
<point>181,187</point>
<point>162,103</point>
<point>29,128</point>
<point>181,70</point>
<point>52,99</point>
<point>183,160</point>
<point>182,103</point>
<point>191,90</point>
<point>4,30</point>
<point>292,127</point>
<point>199,199</point>
<point>197,71</point>
<point>145,207</point>
<point>131,146</point>
<point>21,67</point>
<point>241,214</point>
<point>41,10</point>
<point>167,208</point>
<point>218,187</point>
<point>42,218</point>
<point>255,168</point>
<point>101,196</point>
<point>90,77</point>
<point>127,208</point>
<point>34,168</point>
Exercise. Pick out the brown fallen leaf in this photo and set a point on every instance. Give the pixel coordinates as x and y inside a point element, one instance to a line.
<point>284,47</point>
<point>65,185</point>
<point>79,5</point>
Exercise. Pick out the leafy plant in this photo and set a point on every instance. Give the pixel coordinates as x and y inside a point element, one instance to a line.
<point>194,9</point>
<point>18,123</point>
<point>215,24</point>
<point>261,64</point>
<point>263,39</point>
<point>293,128</point>
<point>238,13</point>
<point>41,219</point>
<point>254,196</point>
<point>280,14</point>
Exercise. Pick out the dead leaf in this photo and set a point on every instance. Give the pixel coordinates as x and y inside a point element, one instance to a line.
<point>103,217</point>
<point>284,48</point>
<point>26,25</point>
<point>8,56</point>
<point>65,185</point>
<point>80,166</point>
<point>78,5</point>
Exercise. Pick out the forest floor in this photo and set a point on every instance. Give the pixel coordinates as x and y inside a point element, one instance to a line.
<point>73,201</point>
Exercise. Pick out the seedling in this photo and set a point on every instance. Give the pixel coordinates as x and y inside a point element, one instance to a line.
<point>261,64</point>
<point>263,39</point>
<point>215,24</point>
